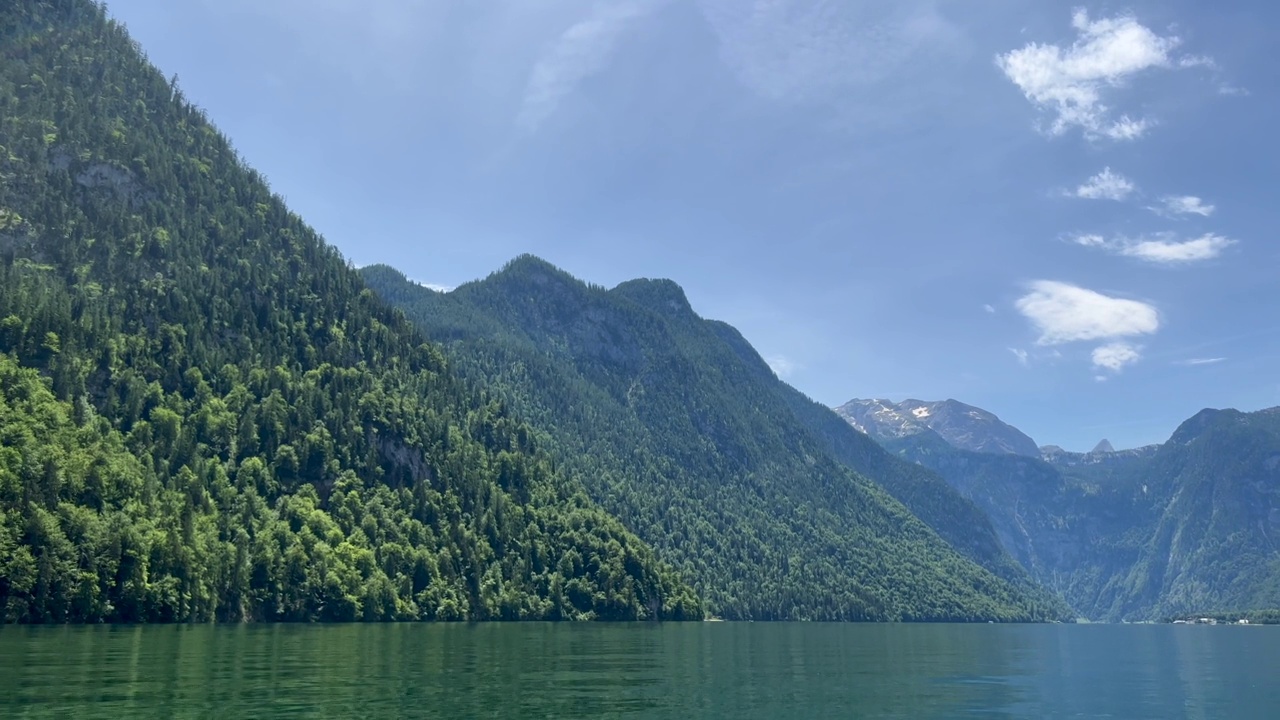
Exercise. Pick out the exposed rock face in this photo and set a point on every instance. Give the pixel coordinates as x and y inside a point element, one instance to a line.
<point>964,426</point>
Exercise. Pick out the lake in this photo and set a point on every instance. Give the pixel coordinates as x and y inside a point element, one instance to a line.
<point>702,670</point>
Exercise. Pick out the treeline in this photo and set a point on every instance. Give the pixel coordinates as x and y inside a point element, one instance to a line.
<point>206,416</point>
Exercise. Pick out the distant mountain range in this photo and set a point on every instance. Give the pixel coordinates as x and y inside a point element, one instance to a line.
<point>1150,532</point>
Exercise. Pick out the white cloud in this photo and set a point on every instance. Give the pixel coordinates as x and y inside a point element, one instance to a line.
<point>781,365</point>
<point>1126,128</point>
<point>431,286</point>
<point>1115,356</point>
<point>1171,205</point>
<point>1162,249</point>
<point>1205,247</point>
<point>1190,61</point>
<point>989,308</point>
<point>1064,313</point>
<point>1069,82</point>
<point>1021,355</point>
<point>1089,240</point>
<point>1201,361</point>
<point>1106,185</point>
<point>581,51</point>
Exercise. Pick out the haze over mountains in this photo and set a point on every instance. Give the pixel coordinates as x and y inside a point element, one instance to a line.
<point>1097,528</point>
<point>1135,534</point>
<point>208,414</point>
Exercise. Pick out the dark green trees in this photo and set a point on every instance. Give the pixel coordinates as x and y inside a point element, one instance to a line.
<point>206,416</point>
<point>675,425</point>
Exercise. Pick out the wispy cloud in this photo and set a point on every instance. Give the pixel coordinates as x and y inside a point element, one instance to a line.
<point>1069,83</point>
<point>1193,362</point>
<point>989,308</point>
<point>1064,313</point>
<point>1174,205</point>
<point>1115,356</point>
<point>1192,61</point>
<point>781,365</point>
<point>798,50</point>
<point>1106,185</point>
<point>1172,252</point>
<point>431,286</point>
<point>580,51</point>
<point>1161,249</point>
<point>1021,355</point>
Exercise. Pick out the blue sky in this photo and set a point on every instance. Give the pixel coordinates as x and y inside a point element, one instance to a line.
<point>1062,213</point>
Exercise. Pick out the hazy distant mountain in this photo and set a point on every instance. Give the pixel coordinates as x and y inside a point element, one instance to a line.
<point>964,426</point>
<point>1131,534</point>
<point>1216,541</point>
<point>1066,459</point>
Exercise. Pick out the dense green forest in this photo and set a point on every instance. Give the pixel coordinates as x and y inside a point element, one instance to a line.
<point>674,424</point>
<point>205,415</point>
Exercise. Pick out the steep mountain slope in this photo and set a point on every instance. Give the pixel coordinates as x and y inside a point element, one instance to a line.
<point>205,415</point>
<point>1216,543</point>
<point>1075,537</point>
<point>678,427</point>
<point>1147,533</point>
<point>964,426</point>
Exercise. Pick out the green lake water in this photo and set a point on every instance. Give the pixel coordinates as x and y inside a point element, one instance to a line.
<point>690,670</point>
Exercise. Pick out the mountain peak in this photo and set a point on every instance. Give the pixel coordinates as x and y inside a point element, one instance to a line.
<point>660,294</point>
<point>530,276</point>
<point>534,268</point>
<point>1103,446</point>
<point>1200,423</point>
<point>964,426</point>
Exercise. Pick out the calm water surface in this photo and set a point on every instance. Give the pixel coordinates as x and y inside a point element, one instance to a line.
<point>701,670</point>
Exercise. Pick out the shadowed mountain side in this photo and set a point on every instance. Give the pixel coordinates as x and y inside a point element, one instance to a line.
<point>1140,534</point>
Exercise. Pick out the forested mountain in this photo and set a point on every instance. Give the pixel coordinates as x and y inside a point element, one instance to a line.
<point>1161,531</point>
<point>205,415</point>
<point>1215,544</point>
<point>675,425</point>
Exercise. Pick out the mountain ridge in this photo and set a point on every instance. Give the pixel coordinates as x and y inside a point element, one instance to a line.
<point>629,380</point>
<point>964,426</point>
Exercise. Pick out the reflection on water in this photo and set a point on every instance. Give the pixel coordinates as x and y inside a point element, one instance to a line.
<point>710,670</point>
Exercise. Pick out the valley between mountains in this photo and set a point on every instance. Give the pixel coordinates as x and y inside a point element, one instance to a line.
<point>208,414</point>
